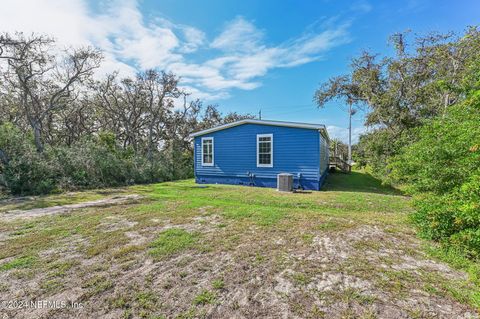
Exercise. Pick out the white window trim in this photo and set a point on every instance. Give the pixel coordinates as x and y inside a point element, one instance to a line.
<point>271,150</point>
<point>213,151</point>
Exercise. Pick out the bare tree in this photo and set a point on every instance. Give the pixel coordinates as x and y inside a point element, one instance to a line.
<point>122,107</point>
<point>42,81</point>
<point>161,92</point>
<point>70,124</point>
<point>138,109</point>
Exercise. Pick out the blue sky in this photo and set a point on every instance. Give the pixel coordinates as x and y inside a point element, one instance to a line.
<point>242,55</point>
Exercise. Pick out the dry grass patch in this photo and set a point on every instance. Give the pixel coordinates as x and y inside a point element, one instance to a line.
<point>227,251</point>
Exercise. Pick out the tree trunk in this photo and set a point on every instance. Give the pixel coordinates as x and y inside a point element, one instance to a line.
<point>150,145</point>
<point>349,133</point>
<point>150,139</point>
<point>3,157</point>
<point>38,137</point>
<point>446,102</point>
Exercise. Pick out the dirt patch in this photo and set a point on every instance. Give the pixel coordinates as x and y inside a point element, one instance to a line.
<point>367,271</point>
<point>66,248</point>
<point>238,269</point>
<point>16,200</point>
<point>4,236</point>
<point>136,238</point>
<point>38,212</point>
<point>114,223</point>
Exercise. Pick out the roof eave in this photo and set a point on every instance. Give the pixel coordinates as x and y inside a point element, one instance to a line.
<point>261,122</point>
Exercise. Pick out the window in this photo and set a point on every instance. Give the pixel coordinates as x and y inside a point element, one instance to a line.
<point>207,151</point>
<point>264,150</point>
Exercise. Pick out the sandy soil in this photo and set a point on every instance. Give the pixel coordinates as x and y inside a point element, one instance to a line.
<point>52,210</point>
<point>362,271</point>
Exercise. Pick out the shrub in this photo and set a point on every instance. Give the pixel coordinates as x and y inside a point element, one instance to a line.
<point>442,170</point>
<point>25,171</point>
<point>89,163</point>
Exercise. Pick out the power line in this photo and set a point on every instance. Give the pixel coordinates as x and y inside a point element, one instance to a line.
<point>277,110</point>
<point>282,106</point>
<point>280,111</point>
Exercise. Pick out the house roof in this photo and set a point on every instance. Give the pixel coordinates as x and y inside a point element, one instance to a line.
<point>318,127</point>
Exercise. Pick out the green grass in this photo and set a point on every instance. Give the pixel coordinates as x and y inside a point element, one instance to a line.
<point>20,262</point>
<point>171,241</point>
<point>60,268</point>
<point>255,228</point>
<point>266,207</point>
<point>97,284</point>
<point>358,181</point>
<point>51,285</point>
<point>459,262</point>
<point>146,299</point>
<point>301,279</point>
<point>218,284</point>
<point>206,297</point>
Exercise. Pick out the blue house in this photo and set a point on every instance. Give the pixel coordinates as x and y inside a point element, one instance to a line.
<point>252,152</point>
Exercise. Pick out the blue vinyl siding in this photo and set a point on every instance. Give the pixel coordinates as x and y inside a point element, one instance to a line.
<point>295,150</point>
<point>324,156</point>
<point>324,159</point>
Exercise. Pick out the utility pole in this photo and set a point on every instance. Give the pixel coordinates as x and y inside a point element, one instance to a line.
<point>351,112</point>
<point>260,114</point>
<point>349,133</point>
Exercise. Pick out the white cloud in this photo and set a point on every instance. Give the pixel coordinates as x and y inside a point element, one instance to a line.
<point>247,57</point>
<point>341,133</point>
<point>239,35</point>
<point>194,38</point>
<point>239,55</point>
<point>361,6</point>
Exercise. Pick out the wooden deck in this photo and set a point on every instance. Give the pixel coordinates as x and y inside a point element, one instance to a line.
<point>340,164</point>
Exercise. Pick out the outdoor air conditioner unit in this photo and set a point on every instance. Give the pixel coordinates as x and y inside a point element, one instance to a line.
<point>285,182</point>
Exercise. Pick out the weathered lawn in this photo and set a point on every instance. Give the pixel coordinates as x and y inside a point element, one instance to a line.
<point>225,251</point>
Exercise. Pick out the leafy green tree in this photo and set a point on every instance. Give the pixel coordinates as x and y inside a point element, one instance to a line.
<point>442,170</point>
<point>61,130</point>
<point>338,148</point>
<point>420,82</point>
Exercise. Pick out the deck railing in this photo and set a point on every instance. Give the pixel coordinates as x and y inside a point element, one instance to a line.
<point>339,163</point>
